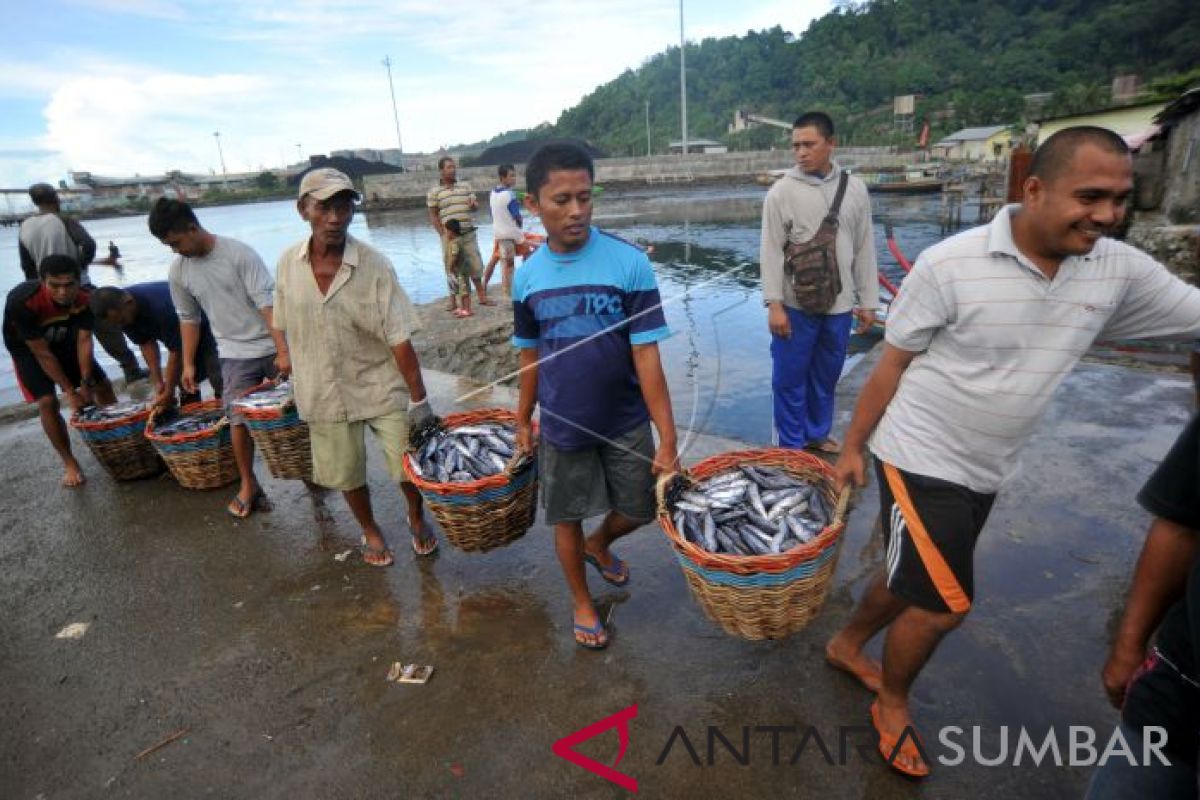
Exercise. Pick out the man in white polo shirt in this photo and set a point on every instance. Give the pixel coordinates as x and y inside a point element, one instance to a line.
<point>986,326</point>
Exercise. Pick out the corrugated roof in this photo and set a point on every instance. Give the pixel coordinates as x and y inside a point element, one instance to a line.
<point>973,134</point>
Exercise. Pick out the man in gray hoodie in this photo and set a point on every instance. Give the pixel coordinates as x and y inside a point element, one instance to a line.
<point>808,349</point>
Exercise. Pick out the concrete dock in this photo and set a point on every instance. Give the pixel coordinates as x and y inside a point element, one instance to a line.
<point>270,654</point>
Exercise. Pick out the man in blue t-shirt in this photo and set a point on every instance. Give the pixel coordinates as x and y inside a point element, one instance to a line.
<point>145,313</point>
<point>587,320</point>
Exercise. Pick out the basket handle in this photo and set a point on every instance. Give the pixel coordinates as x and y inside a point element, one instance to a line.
<point>843,503</point>
<point>660,487</point>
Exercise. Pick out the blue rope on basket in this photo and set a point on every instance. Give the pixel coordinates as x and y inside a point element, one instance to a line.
<point>288,420</point>
<point>112,434</point>
<point>207,443</point>
<point>805,569</point>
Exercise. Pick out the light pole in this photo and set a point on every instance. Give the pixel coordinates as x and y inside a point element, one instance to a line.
<point>299,154</point>
<point>387,62</point>
<point>647,129</point>
<point>683,80</point>
<point>224,174</point>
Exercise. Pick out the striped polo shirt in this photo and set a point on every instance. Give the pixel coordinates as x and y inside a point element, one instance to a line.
<point>452,202</point>
<point>584,311</point>
<point>996,337</point>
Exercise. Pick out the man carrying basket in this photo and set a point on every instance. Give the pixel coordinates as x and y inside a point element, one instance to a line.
<point>348,325</point>
<point>986,326</point>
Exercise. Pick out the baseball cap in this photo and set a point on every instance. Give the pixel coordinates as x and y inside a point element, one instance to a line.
<point>324,183</point>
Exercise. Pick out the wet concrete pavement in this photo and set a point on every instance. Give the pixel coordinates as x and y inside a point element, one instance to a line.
<point>272,654</point>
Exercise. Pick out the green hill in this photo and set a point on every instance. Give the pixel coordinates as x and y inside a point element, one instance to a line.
<point>970,63</point>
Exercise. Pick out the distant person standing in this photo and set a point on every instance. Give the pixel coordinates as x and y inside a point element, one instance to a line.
<point>227,282</point>
<point>506,228</point>
<point>818,267</point>
<point>453,199</point>
<point>48,333</point>
<point>51,232</point>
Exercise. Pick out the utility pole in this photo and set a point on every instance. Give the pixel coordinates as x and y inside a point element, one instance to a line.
<point>387,62</point>
<point>299,154</point>
<point>647,129</point>
<point>683,80</point>
<point>224,173</point>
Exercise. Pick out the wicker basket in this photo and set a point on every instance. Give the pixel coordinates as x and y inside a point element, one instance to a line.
<point>764,596</point>
<point>481,515</point>
<point>200,460</point>
<point>281,436</point>
<point>120,446</point>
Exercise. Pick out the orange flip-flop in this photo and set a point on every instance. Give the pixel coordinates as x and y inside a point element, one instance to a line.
<point>888,743</point>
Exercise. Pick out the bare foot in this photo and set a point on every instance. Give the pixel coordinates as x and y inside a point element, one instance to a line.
<point>73,476</point>
<point>898,742</point>
<point>854,662</point>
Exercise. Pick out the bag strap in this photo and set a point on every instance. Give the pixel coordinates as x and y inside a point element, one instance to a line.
<point>836,206</point>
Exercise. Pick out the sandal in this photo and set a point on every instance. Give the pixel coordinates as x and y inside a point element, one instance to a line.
<point>594,630</point>
<point>891,746</point>
<point>242,510</point>
<point>419,550</point>
<point>617,575</point>
<point>828,446</point>
<point>382,555</point>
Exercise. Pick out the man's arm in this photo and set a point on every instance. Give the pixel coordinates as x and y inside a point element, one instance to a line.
<point>283,357</point>
<point>28,265</point>
<point>770,266</point>
<point>873,401</point>
<point>648,364</point>
<point>527,360</point>
<point>410,369</point>
<point>436,221</point>
<point>82,239</point>
<point>865,269</point>
<point>189,334</point>
<point>49,364</point>
<point>1158,581</point>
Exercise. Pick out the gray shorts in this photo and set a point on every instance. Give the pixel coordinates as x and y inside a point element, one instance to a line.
<point>577,484</point>
<point>240,375</point>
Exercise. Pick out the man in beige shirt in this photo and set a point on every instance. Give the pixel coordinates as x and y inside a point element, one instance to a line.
<point>348,326</point>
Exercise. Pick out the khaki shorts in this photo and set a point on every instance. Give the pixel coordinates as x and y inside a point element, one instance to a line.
<point>339,449</point>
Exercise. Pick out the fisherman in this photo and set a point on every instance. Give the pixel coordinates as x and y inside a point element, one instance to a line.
<point>587,321</point>
<point>226,281</point>
<point>506,228</point>
<point>51,232</point>
<point>450,199</point>
<point>986,326</point>
<point>146,315</point>
<point>48,333</point>
<point>809,340</point>
<point>1160,686</point>
<point>349,325</point>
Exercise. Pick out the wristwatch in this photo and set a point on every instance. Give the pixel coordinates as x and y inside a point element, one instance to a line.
<point>89,381</point>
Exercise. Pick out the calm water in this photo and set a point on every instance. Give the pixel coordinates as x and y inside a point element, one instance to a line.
<point>705,252</point>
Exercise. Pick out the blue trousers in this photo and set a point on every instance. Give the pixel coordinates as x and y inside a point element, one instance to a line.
<point>805,375</point>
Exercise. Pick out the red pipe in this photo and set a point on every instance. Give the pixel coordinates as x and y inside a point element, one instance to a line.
<point>894,248</point>
<point>885,283</point>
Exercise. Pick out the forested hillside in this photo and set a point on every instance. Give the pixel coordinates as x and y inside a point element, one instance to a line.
<point>970,62</point>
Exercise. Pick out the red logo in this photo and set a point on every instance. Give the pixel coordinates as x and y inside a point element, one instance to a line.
<point>565,748</point>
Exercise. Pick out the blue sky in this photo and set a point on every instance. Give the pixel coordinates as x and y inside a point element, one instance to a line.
<point>139,86</point>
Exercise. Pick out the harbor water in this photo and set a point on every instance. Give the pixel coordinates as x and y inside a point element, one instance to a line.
<point>705,252</point>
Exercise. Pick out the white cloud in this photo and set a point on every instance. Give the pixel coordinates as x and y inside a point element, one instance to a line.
<point>153,9</point>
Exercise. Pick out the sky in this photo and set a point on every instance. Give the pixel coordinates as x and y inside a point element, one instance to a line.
<point>121,87</point>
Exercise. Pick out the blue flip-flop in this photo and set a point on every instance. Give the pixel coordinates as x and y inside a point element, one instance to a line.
<point>594,630</point>
<point>620,570</point>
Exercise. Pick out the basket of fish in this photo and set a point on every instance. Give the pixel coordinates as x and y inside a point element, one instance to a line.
<point>116,435</point>
<point>757,533</point>
<point>270,413</point>
<point>195,443</point>
<point>481,490</point>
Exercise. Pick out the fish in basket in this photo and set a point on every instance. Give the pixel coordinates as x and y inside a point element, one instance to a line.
<point>116,436</point>
<point>481,490</point>
<point>275,425</point>
<point>195,442</point>
<point>757,533</point>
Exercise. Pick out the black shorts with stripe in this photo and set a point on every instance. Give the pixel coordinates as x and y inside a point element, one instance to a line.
<point>930,527</point>
<point>33,381</point>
